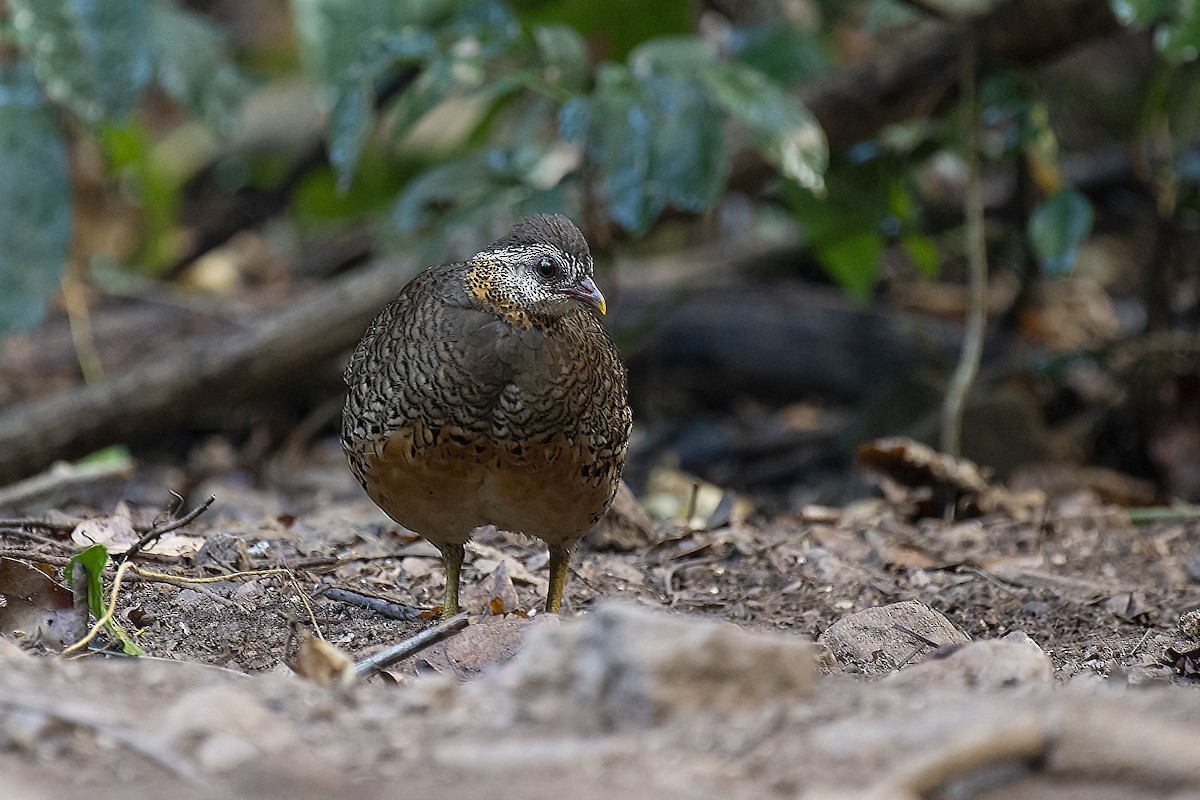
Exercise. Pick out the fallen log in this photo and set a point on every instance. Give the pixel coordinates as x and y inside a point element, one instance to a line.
<point>203,373</point>
<point>718,343</point>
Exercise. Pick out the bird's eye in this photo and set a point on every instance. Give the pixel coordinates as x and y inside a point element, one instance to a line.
<point>546,268</point>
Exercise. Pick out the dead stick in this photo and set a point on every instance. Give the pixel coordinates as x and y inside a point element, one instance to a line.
<point>79,600</point>
<point>380,606</point>
<point>159,530</point>
<point>160,392</point>
<point>415,644</point>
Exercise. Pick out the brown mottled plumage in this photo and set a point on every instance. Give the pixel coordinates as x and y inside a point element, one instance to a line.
<point>488,391</point>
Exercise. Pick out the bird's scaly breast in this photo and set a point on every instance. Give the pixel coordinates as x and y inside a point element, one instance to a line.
<point>446,489</point>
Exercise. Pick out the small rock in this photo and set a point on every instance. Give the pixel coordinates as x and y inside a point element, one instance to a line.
<point>627,665</point>
<point>188,597</point>
<point>222,549</point>
<point>1189,625</point>
<point>248,590</point>
<point>875,641</point>
<point>988,664</point>
<point>416,567</point>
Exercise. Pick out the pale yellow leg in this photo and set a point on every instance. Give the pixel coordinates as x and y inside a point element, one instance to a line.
<point>452,559</point>
<point>560,563</point>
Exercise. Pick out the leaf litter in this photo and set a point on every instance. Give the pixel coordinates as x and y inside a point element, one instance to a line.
<point>596,703</point>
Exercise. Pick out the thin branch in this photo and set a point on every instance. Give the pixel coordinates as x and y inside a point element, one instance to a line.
<point>976,249</point>
<point>158,531</point>
<point>411,646</point>
<point>385,608</point>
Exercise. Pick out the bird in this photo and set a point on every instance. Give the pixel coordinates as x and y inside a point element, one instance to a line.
<point>489,392</point>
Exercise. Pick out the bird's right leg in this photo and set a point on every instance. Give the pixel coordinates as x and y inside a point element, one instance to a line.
<point>452,559</point>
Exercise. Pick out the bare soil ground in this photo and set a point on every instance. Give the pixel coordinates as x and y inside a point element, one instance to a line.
<point>609,701</point>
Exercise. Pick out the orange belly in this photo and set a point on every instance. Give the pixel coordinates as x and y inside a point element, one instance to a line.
<point>448,488</point>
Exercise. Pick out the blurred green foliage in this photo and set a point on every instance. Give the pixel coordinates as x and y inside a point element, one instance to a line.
<point>510,108</point>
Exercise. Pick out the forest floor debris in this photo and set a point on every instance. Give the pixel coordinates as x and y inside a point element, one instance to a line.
<point>854,652</point>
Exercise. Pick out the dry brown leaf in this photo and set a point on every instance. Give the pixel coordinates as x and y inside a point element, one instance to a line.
<point>925,483</point>
<point>117,532</point>
<point>36,606</point>
<point>322,663</point>
<point>490,641</point>
<point>495,594</point>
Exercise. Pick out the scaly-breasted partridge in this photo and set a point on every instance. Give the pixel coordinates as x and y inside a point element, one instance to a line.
<point>488,392</point>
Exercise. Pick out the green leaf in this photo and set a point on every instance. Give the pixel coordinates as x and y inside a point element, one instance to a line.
<point>923,253</point>
<point>334,33</point>
<point>849,227</point>
<point>613,28</point>
<point>1057,227</point>
<point>1179,41</point>
<point>779,123</point>
<point>781,51</point>
<point>471,195</point>
<point>193,65</point>
<point>1141,12</point>
<point>564,56</point>
<point>672,55</point>
<point>113,456</point>
<point>688,164</point>
<point>623,148</point>
<point>35,200</point>
<point>853,261</point>
<point>882,14</point>
<point>94,56</point>
<point>93,560</point>
<point>350,122</point>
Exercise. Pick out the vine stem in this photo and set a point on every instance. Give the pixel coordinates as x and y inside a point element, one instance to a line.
<point>976,252</point>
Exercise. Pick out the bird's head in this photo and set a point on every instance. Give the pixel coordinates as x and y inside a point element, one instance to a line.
<point>542,268</point>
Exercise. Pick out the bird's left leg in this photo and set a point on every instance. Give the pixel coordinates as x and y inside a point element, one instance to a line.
<point>560,563</point>
<point>452,559</point>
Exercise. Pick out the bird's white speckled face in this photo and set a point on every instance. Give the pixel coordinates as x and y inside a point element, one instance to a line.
<point>541,277</point>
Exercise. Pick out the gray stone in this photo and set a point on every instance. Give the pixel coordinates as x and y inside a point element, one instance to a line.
<point>987,664</point>
<point>874,641</point>
<point>627,665</point>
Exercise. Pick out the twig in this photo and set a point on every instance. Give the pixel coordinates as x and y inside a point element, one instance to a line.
<point>385,608</point>
<point>25,524</point>
<point>1152,514</point>
<point>333,562</point>
<point>159,530</point>
<point>411,646</point>
<point>1141,642</point>
<point>34,537</point>
<point>181,582</point>
<point>61,477</point>
<point>34,555</point>
<point>925,640</point>
<point>79,600</point>
<point>976,246</point>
